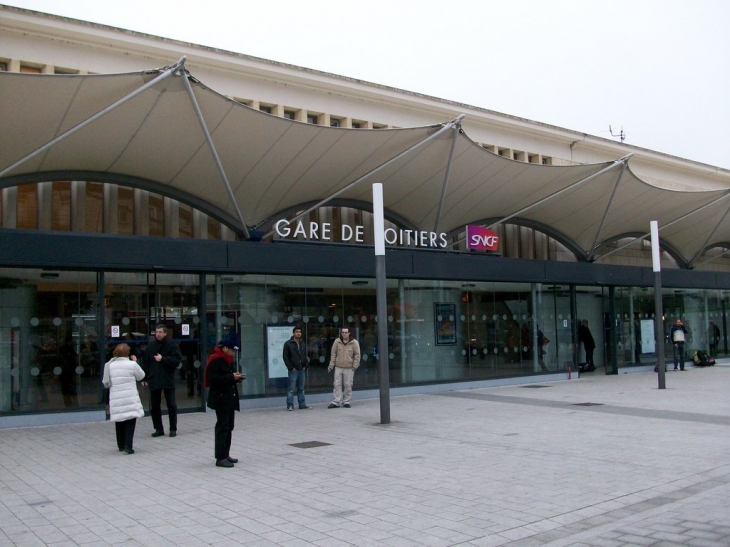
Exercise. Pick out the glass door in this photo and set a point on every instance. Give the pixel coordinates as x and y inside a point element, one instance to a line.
<point>592,335</point>
<point>554,326</point>
<point>135,302</point>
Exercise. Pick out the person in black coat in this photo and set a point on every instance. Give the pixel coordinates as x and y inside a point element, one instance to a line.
<point>586,338</point>
<point>222,380</point>
<point>296,361</point>
<point>159,362</point>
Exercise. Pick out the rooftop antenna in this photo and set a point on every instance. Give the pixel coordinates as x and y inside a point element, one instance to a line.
<point>621,135</point>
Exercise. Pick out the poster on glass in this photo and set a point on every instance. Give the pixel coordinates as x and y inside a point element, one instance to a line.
<point>444,321</point>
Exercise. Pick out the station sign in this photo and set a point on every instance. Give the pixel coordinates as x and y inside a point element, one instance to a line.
<point>322,231</point>
<point>479,238</point>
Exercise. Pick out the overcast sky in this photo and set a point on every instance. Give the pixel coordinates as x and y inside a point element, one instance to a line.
<point>658,69</point>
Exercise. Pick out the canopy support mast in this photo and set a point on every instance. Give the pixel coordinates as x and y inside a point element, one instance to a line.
<point>690,264</point>
<point>457,127</point>
<point>725,252</point>
<point>589,256</point>
<point>214,152</point>
<point>445,128</point>
<point>620,161</point>
<point>169,71</point>
<point>667,225</point>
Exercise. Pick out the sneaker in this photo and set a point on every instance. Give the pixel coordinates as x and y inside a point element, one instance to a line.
<point>158,434</point>
<point>346,405</point>
<point>333,405</point>
<point>223,463</point>
<point>290,408</point>
<point>305,408</point>
<point>232,460</point>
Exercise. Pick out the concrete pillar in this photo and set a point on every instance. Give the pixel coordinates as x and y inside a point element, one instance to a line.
<point>78,205</point>
<point>10,207</point>
<point>45,205</point>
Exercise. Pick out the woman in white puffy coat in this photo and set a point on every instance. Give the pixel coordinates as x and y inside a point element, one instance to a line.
<point>121,374</point>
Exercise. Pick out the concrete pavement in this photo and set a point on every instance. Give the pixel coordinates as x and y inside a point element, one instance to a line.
<point>599,461</point>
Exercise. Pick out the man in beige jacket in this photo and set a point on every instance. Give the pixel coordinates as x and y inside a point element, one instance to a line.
<point>344,360</point>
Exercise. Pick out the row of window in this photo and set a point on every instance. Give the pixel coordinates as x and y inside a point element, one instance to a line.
<point>331,120</point>
<point>32,68</point>
<point>314,118</point>
<point>91,207</point>
<point>317,118</point>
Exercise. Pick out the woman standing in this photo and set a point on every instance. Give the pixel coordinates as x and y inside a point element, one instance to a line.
<point>121,374</point>
<point>222,379</point>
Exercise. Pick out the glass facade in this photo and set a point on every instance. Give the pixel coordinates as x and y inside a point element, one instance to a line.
<point>438,331</point>
<point>58,328</point>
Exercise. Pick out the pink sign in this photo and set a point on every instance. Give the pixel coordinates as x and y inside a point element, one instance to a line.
<point>481,239</point>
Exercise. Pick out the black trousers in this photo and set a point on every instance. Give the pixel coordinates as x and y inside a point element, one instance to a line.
<point>223,432</point>
<point>156,408</point>
<point>589,355</point>
<point>125,433</point>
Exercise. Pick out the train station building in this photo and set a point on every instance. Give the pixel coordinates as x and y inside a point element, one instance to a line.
<point>146,180</point>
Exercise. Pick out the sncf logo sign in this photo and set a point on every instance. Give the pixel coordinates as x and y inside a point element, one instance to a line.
<point>481,239</point>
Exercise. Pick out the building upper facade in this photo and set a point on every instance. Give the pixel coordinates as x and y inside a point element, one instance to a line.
<point>57,44</point>
<point>32,41</point>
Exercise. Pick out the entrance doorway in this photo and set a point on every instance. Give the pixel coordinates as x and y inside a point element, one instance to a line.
<point>592,325</point>
<point>135,302</point>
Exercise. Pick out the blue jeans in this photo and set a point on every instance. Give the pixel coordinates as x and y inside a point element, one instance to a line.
<point>296,378</point>
<point>678,356</point>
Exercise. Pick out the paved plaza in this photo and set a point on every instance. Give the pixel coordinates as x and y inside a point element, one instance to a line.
<point>600,461</point>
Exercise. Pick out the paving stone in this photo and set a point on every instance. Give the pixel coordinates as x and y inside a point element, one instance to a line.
<point>480,468</point>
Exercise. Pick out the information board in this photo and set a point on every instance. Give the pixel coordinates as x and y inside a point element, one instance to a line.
<point>275,338</point>
<point>648,343</point>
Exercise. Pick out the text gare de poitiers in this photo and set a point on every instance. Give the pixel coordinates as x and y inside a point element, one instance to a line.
<point>316,231</point>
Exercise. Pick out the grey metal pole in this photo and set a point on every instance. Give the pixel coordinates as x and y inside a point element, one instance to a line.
<point>445,187</point>
<point>169,71</point>
<point>658,306</point>
<point>382,303</point>
<point>319,204</point>
<point>214,153</point>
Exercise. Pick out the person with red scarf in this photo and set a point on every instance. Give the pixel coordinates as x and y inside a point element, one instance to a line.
<point>222,379</point>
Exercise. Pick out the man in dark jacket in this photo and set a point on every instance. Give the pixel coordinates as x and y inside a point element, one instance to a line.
<point>222,380</point>
<point>296,361</point>
<point>159,363</point>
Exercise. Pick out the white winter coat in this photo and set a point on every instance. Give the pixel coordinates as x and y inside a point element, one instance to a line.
<point>122,375</point>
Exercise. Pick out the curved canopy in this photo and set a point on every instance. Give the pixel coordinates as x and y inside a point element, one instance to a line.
<point>165,127</point>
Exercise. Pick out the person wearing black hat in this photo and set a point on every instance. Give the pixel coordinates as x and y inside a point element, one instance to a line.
<point>222,379</point>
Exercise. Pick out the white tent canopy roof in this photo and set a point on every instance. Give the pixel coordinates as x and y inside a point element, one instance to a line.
<point>177,137</point>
